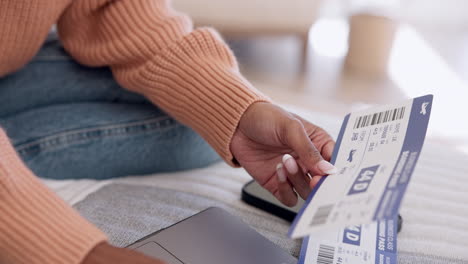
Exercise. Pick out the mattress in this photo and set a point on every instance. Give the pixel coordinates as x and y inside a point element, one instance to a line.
<point>435,208</point>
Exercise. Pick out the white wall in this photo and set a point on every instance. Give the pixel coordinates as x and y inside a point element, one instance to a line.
<point>437,12</point>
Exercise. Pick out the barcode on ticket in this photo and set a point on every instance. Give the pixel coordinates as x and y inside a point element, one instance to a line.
<point>321,215</point>
<point>380,117</point>
<point>326,254</point>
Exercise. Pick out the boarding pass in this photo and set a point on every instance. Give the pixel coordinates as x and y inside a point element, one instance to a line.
<point>375,153</point>
<point>374,243</point>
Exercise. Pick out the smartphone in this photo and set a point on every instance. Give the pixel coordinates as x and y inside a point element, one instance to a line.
<point>257,196</point>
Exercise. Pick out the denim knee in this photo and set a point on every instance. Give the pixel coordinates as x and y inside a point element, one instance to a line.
<point>108,146</point>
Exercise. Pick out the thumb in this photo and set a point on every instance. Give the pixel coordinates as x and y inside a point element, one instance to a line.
<point>310,157</point>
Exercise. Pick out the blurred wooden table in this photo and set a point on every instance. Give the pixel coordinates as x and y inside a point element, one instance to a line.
<point>243,18</point>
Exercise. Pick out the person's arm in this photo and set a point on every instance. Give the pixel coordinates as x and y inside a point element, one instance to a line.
<point>152,49</point>
<point>36,226</point>
<point>193,75</point>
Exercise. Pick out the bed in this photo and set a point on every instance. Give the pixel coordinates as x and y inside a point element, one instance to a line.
<point>435,209</point>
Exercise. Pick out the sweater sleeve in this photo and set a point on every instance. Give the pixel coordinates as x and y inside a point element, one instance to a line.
<point>24,25</point>
<point>153,50</point>
<point>35,225</point>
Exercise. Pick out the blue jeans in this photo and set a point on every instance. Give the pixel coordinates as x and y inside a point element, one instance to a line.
<point>69,121</point>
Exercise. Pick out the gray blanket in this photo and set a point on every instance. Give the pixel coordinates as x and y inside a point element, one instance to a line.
<point>128,212</point>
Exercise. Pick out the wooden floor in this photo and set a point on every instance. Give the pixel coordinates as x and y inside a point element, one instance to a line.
<point>423,61</point>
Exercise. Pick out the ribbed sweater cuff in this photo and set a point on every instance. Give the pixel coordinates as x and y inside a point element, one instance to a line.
<point>197,80</point>
<point>35,225</point>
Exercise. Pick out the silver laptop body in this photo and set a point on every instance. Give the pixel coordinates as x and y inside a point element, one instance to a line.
<point>212,236</point>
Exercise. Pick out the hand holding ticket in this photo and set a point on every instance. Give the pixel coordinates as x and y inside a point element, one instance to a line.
<point>376,153</point>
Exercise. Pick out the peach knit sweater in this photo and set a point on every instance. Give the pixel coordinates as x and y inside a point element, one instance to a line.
<point>152,50</point>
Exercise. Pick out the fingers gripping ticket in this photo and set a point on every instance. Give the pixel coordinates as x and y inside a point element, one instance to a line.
<point>299,180</point>
<point>309,155</point>
<point>292,180</point>
<point>285,193</point>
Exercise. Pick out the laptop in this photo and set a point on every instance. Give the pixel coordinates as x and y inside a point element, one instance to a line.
<point>212,236</point>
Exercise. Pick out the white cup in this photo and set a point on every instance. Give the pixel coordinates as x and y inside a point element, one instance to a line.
<point>370,42</point>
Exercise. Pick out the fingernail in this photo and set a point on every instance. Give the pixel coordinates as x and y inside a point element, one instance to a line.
<point>326,167</point>
<point>280,172</point>
<point>290,164</point>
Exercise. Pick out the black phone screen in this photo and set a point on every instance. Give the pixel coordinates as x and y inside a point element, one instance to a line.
<point>257,196</point>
